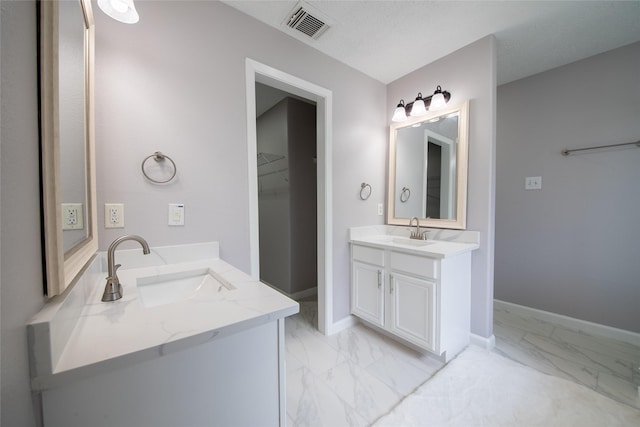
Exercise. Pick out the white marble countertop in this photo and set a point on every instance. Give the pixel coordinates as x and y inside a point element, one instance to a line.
<point>109,335</point>
<point>440,243</point>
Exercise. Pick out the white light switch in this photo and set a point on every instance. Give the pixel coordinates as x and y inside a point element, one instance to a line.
<point>176,213</point>
<point>72,216</point>
<point>533,183</point>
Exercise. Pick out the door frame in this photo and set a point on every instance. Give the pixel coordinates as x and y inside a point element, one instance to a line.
<point>258,72</point>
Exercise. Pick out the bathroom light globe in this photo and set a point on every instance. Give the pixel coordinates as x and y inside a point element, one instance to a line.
<point>418,108</point>
<point>437,100</point>
<point>400,114</point>
<point>120,10</point>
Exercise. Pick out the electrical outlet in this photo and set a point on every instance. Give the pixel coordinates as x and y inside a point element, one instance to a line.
<point>113,215</point>
<point>380,208</point>
<point>72,216</point>
<point>533,183</point>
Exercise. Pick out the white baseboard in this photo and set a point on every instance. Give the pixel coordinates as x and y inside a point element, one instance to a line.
<point>341,325</point>
<point>572,323</point>
<point>486,343</point>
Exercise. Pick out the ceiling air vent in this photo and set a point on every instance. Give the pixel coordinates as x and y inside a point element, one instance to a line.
<point>306,21</point>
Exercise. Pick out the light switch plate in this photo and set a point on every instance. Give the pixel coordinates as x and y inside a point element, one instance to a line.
<point>533,183</point>
<point>176,213</point>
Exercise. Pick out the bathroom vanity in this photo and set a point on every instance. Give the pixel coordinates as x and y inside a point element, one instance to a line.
<point>193,341</point>
<point>417,291</point>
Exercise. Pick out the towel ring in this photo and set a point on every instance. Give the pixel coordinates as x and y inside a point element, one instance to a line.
<point>159,157</point>
<point>405,194</point>
<point>364,194</point>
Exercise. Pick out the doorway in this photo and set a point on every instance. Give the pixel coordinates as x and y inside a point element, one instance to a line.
<point>287,196</point>
<point>257,72</point>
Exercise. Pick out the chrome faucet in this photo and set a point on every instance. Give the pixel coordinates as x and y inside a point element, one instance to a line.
<point>417,234</point>
<point>113,288</point>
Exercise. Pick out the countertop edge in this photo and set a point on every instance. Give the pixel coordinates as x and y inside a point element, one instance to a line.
<point>48,381</point>
<point>454,248</point>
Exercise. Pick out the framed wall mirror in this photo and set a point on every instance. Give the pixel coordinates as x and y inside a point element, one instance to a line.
<point>428,158</point>
<point>66,56</point>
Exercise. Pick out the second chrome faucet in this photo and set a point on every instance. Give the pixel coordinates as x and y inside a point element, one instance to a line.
<point>113,288</point>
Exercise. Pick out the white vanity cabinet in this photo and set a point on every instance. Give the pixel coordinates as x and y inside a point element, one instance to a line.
<point>423,300</point>
<point>210,359</point>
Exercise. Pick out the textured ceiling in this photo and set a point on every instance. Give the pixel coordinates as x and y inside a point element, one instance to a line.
<point>388,39</point>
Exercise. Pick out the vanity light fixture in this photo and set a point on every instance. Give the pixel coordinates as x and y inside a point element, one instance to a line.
<point>120,10</point>
<point>421,105</point>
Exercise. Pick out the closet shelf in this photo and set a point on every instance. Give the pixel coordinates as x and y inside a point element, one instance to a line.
<point>266,158</point>
<point>273,172</point>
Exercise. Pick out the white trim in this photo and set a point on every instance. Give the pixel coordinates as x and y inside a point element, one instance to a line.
<point>486,343</point>
<point>252,152</point>
<point>342,324</point>
<point>573,323</point>
<point>448,167</point>
<point>256,71</point>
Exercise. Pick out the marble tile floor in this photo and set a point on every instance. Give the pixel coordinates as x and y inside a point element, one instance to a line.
<point>351,378</point>
<point>357,376</point>
<point>483,388</point>
<point>603,364</point>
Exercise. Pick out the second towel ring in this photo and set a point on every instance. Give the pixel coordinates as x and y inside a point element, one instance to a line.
<point>159,157</point>
<point>364,194</point>
<point>404,196</point>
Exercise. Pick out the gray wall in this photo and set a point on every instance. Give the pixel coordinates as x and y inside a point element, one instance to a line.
<point>469,73</point>
<point>274,199</point>
<point>175,82</point>
<point>21,292</point>
<point>572,247</point>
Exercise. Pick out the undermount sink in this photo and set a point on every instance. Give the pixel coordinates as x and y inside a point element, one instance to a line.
<point>404,241</point>
<point>410,242</point>
<point>181,286</point>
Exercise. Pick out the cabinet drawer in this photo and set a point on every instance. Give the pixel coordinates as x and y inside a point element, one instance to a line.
<point>368,255</point>
<point>417,265</point>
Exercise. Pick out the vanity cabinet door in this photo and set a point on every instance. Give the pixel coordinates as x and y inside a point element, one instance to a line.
<point>412,311</point>
<point>367,292</point>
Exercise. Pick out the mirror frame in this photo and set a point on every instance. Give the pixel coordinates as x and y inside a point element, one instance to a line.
<point>462,160</point>
<point>63,268</point>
